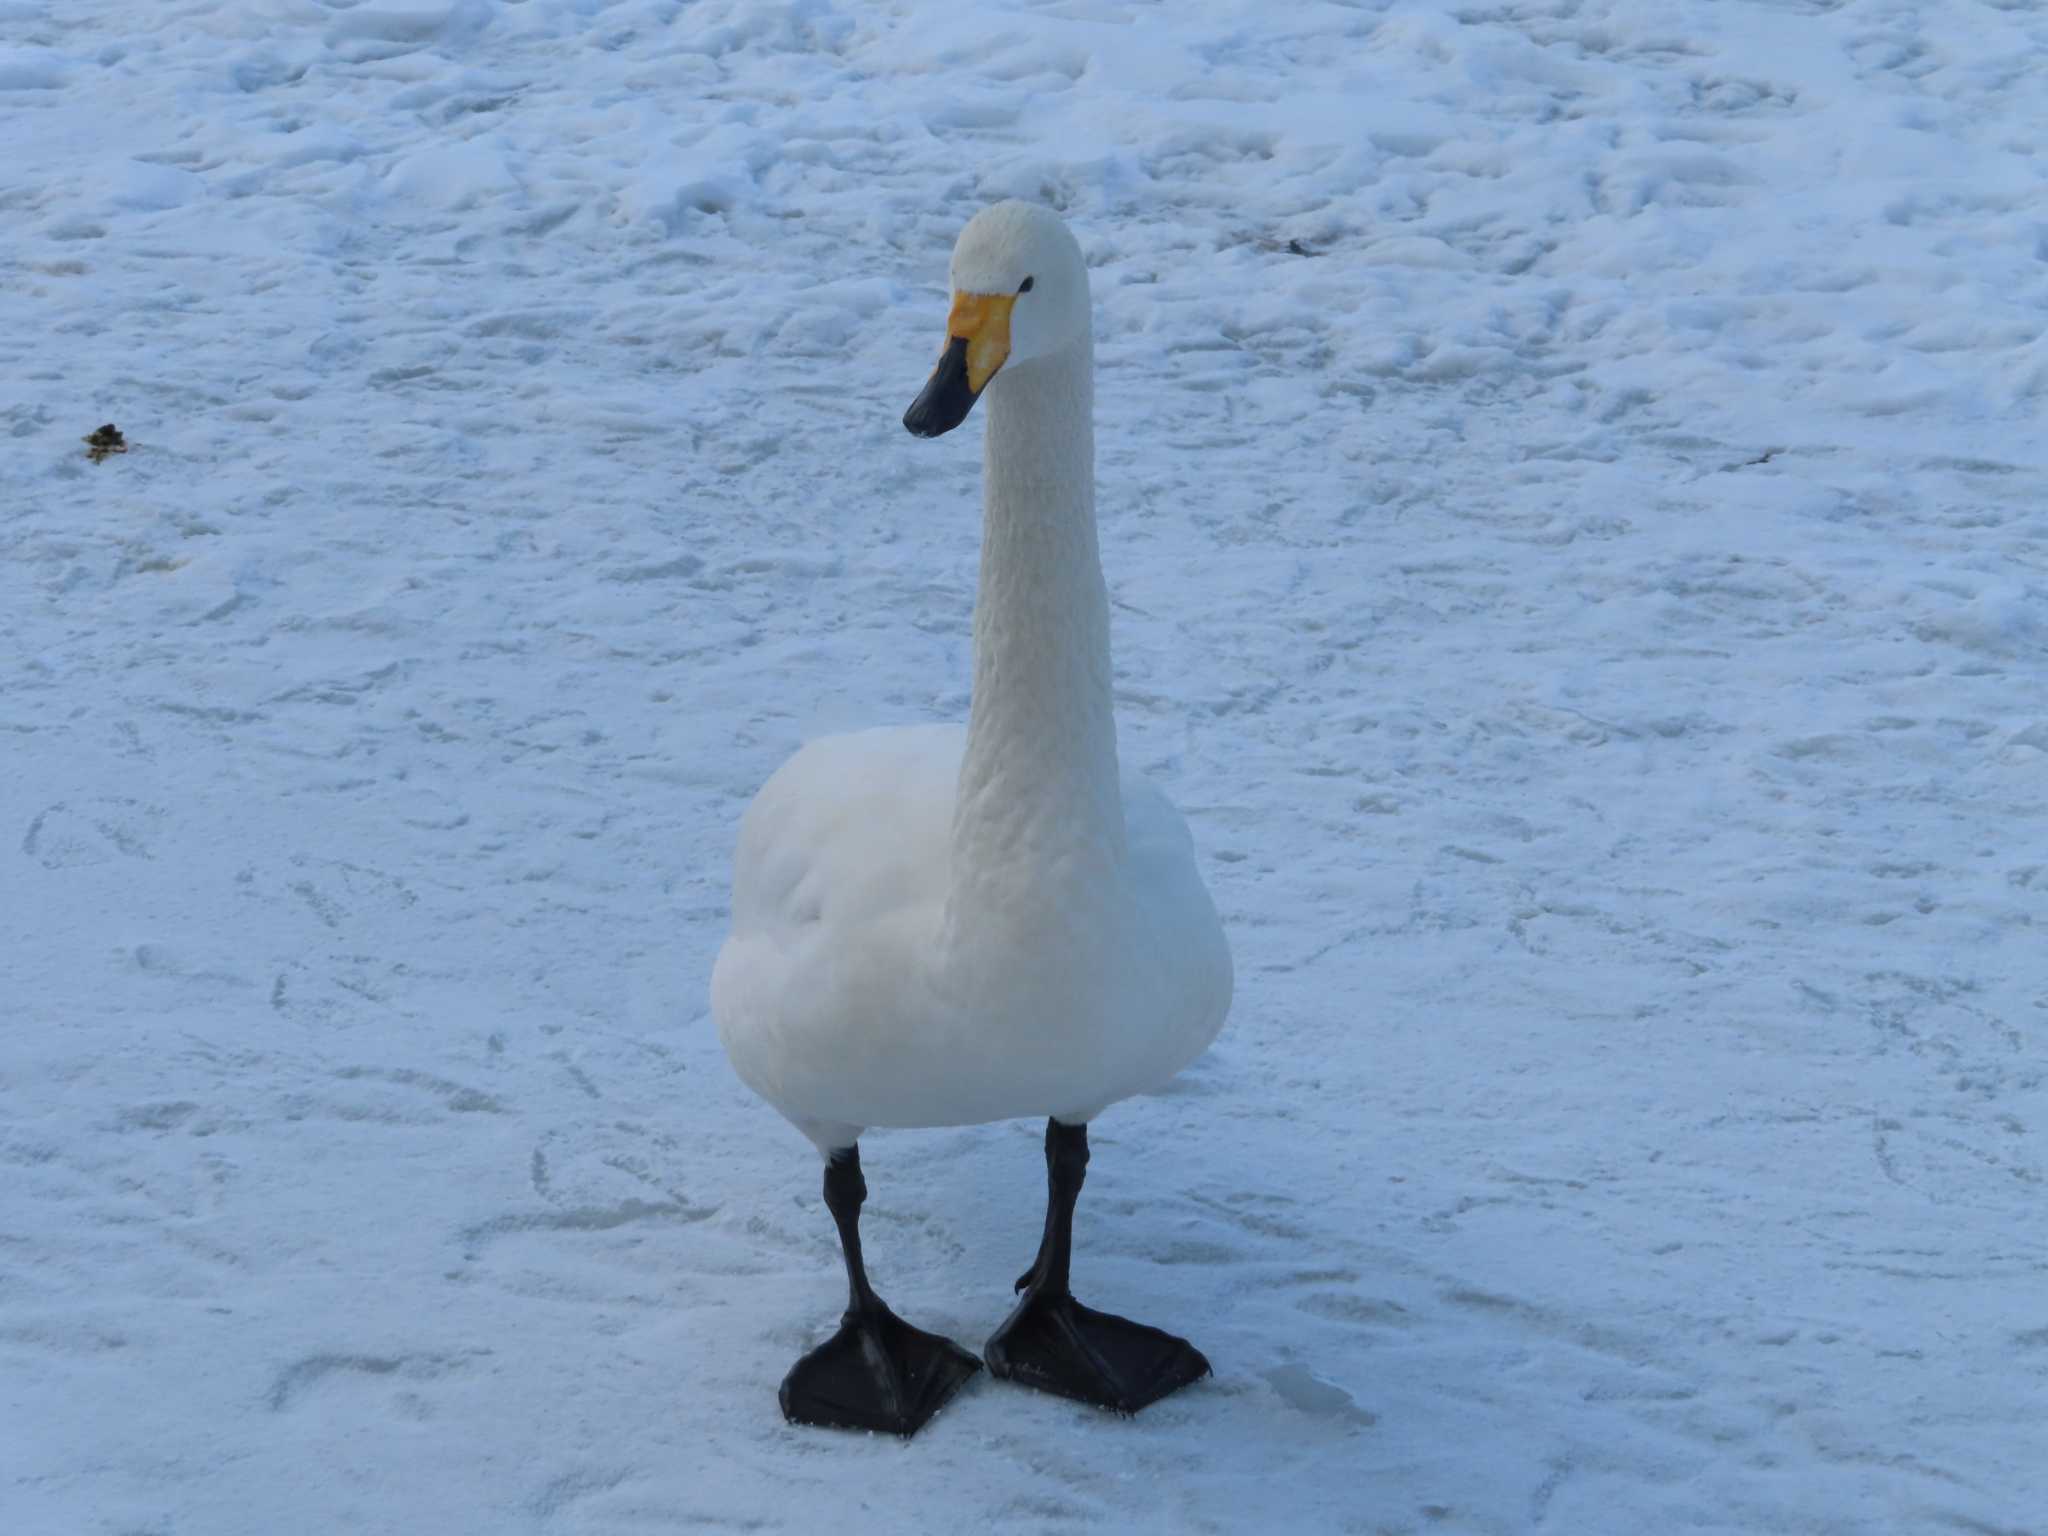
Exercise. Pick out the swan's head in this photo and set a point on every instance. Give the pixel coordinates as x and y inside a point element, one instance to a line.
<point>1020,292</point>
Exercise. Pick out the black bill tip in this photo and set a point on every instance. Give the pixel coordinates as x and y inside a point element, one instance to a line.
<point>945,399</point>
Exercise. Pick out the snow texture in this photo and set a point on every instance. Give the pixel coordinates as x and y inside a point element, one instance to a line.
<point>1576,509</point>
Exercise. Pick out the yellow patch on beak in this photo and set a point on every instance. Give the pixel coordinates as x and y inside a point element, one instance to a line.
<point>982,320</point>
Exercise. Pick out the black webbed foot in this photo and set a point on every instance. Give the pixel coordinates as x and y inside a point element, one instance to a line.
<point>1055,1344</point>
<point>877,1372</point>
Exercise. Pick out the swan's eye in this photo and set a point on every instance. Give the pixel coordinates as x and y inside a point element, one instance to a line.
<point>1025,286</point>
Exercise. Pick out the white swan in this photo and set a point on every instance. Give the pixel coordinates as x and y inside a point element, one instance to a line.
<point>934,926</point>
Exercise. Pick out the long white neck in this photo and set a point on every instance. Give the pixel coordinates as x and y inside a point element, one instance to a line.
<point>1040,812</point>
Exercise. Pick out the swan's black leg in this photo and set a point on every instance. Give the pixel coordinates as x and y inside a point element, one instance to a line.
<point>876,1372</point>
<point>1054,1343</point>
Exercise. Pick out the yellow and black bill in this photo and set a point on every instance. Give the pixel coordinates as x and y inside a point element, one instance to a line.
<point>977,344</point>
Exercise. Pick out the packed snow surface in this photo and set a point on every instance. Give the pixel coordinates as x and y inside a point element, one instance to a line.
<point>1576,506</point>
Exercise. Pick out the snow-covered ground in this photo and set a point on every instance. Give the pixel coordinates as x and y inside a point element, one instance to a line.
<point>1577,511</point>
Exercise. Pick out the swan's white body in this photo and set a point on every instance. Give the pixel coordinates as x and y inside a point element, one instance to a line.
<point>938,926</point>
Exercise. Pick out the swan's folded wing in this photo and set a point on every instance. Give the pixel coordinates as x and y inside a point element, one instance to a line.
<point>850,828</point>
<point>1187,940</point>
